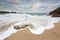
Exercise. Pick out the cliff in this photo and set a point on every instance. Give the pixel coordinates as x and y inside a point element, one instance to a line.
<point>55,13</point>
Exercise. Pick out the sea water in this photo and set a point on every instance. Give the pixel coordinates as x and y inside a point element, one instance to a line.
<point>40,23</point>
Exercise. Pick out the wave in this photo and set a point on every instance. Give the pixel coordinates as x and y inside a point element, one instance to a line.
<point>36,24</point>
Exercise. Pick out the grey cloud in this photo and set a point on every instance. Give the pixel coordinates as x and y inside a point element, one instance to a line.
<point>26,5</point>
<point>50,1</point>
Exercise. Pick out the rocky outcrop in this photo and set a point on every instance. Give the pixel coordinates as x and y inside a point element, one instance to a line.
<point>55,13</point>
<point>6,12</point>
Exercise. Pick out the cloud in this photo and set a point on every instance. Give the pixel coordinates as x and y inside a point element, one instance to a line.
<point>50,1</point>
<point>29,5</point>
<point>35,5</point>
<point>13,1</point>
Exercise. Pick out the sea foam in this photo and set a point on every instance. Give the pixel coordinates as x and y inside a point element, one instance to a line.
<point>39,23</point>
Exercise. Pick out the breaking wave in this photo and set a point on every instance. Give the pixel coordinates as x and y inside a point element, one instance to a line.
<point>39,23</point>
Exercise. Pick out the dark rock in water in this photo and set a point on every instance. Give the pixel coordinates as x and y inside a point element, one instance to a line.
<point>55,13</point>
<point>12,12</point>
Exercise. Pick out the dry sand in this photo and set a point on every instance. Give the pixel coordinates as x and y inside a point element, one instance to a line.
<point>53,34</point>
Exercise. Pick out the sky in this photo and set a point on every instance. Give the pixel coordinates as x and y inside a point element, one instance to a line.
<point>34,6</point>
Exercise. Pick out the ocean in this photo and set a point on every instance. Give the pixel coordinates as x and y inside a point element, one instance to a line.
<point>39,22</point>
<point>39,14</point>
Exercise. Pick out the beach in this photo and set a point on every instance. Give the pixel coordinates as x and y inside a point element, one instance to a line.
<point>52,34</point>
<point>37,26</point>
<point>29,19</point>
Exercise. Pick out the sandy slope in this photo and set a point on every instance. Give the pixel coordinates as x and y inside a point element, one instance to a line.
<point>53,34</point>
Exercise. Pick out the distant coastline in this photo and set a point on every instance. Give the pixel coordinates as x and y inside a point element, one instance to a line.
<point>5,12</point>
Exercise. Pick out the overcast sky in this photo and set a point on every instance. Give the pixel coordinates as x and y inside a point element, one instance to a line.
<point>44,6</point>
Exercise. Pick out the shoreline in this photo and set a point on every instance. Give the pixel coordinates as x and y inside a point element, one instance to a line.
<point>51,34</point>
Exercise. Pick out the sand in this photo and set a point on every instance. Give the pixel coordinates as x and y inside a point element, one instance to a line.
<point>52,34</point>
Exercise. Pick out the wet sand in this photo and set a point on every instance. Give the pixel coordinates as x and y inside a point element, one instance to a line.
<point>52,34</point>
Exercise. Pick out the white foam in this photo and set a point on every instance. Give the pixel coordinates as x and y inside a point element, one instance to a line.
<point>40,23</point>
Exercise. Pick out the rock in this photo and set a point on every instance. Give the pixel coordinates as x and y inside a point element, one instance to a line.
<point>3,12</point>
<point>6,12</point>
<point>55,13</point>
